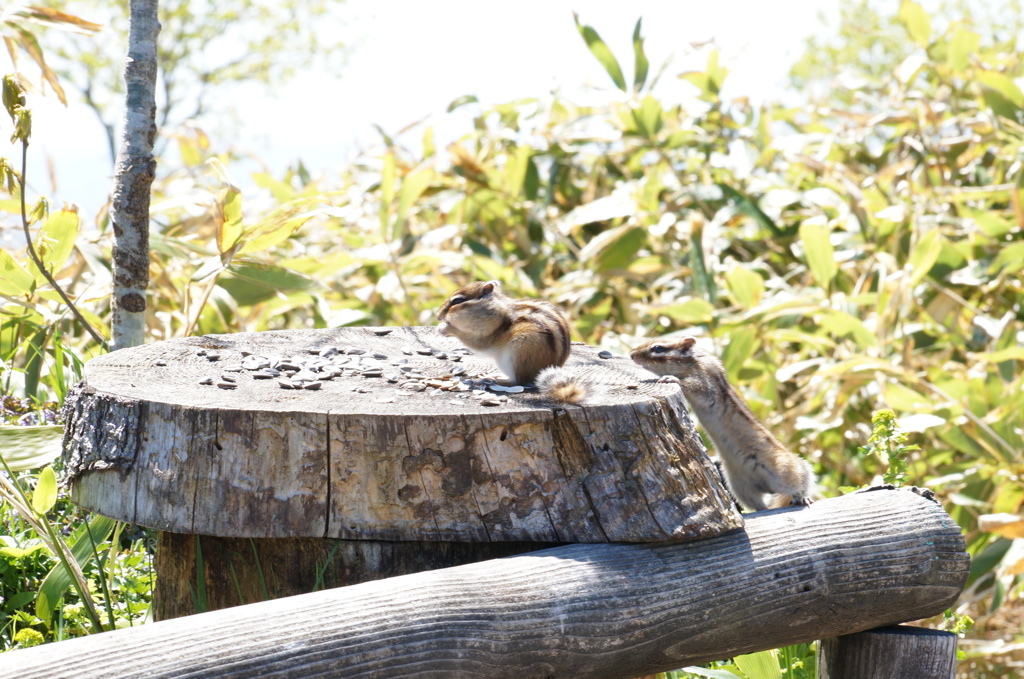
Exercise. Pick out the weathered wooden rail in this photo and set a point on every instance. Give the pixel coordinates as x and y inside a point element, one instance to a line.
<point>598,610</point>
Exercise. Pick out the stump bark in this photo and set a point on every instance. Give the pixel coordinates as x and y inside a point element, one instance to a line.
<point>402,439</point>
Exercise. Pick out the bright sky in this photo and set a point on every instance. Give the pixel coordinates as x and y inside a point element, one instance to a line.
<point>410,59</point>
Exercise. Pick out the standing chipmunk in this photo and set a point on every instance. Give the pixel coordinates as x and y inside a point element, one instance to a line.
<point>527,338</point>
<point>755,462</point>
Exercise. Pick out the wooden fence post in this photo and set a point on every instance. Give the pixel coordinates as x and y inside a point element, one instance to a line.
<point>896,652</point>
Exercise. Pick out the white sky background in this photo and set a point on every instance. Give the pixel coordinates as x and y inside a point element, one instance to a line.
<point>410,59</point>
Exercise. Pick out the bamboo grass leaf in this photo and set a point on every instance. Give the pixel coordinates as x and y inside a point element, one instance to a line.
<point>602,52</point>
<point>640,63</point>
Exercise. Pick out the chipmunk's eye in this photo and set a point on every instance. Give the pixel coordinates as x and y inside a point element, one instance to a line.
<point>458,300</point>
<point>659,349</point>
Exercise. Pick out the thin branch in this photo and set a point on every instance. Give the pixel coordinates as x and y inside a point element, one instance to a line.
<point>38,260</point>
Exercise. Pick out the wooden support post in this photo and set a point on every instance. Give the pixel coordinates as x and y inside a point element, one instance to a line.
<point>896,652</point>
<point>588,610</point>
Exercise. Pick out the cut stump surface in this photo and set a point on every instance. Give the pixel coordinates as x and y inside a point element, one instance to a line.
<point>400,439</point>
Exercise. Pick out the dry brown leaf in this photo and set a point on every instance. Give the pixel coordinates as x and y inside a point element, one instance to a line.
<point>1007,525</point>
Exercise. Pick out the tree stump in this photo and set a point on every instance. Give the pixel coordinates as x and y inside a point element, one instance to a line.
<point>372,434</point>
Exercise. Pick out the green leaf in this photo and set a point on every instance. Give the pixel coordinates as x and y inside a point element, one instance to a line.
<point>531,183</point>
<point>271,233</point>
<point>190,151</point>
<point>20,553</point>
<point>962,45</point>
<point>745,286</point>
<point>1009,260</point>
<point>58,580</point>
<point>26,448</point>
<point>711,674</point>
<point>36,350</point>
<point>748,206</point>
<point>387,189</point>
<point>1000,93</point>
<point>251,284</point>
<point>740,347</point>
<point>762,665</point>
<point>640,63</point>
<point>716,73</point>
<point>1008,354</point>
<point>700,80</point>
<point>516,165</point>
<point>14,279</point>
<point>691,311</point>
<point>601,51</point>
<point>428,142</point>
<point>990,223</point>
<point>709,81</point>
<point>281,191</point>
<point>925,254</point>
<point>618,204</point>
<point>843,324</point>
<point>462,101</point>
<point>413,186</point>
<point>56,241</point>
<point>614,248</point>
<point>916,21</point>
<point>819,252</point>
<point>703,281</point>
<point>230,228</point>
<point>45,494</point>
<point>648,117</point>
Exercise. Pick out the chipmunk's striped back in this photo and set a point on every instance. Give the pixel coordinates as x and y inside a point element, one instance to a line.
<point>756,463</point>
<point>523,336</point>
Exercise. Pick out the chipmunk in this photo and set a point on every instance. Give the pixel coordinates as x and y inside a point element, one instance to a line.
<point>527,338</point>
<point>755,462</point>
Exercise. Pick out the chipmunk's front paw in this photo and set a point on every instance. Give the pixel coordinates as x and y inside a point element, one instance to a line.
<point>800,502</point>
<point>668,379</point>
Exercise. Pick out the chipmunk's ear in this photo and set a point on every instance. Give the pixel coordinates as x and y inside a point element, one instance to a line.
<point>688,343</point>
<point>489,287</point>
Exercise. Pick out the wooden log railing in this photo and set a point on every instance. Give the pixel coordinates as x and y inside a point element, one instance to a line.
<point>601,610</point>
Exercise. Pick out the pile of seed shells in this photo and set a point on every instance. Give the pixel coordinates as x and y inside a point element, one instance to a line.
<point>323,364</point>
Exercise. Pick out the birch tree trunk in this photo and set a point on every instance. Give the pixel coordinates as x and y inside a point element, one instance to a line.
<point>133,178</point>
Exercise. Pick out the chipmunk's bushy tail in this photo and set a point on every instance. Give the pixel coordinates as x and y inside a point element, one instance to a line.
<point>568,386</point>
